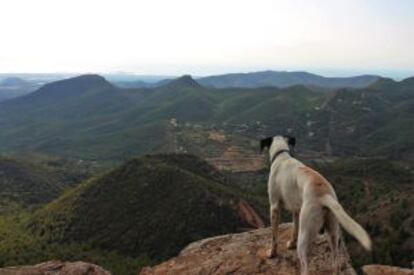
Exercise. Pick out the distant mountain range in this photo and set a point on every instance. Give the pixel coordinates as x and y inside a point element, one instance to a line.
<point>283,79</point>
<point>87,116</point>
<point>279,79</point>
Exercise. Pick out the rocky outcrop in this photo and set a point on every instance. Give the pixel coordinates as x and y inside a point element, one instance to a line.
<point>386,270</point>
<point>56,268</point>
<point>246,253</point>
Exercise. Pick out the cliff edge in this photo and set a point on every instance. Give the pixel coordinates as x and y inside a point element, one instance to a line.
<point>245,253</point>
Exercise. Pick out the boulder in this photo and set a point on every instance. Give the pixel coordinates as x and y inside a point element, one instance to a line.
<point>56,268</point>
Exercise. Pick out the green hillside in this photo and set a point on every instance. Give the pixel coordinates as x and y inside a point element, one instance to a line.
<point>142,212</point>
<point>29,183</point>
<point>371,121</point>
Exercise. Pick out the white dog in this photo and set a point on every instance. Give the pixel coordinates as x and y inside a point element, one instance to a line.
<point>311,200</point>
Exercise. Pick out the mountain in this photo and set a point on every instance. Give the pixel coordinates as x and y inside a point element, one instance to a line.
<point>80,114</point>
<point>87,117</point>
<point>148,207</point>
<point>185,81</point>
<point>283,79</point>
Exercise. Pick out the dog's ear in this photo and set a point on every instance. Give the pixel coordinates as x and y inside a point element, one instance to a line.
<point>291,141</point>
<point>265,143</point>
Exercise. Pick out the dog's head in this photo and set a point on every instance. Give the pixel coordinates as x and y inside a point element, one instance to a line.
<point>278,142</point>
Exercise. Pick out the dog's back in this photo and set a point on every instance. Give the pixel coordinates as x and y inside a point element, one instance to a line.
<point>295,183</point>
<point>285,184</point>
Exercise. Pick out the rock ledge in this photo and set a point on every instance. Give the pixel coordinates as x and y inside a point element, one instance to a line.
<point>386,270</point>
<point>245,253</point>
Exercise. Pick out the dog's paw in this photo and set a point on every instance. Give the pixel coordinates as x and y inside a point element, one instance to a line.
<point>271,253</point>
<point>291,244</point>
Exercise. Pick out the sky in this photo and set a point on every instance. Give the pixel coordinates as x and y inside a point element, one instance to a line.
<point>202,37</point>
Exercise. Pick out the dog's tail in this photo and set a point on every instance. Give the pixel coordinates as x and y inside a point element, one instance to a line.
<point>351,226</point>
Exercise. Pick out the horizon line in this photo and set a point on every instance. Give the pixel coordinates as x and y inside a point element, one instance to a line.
<point>333,73</point>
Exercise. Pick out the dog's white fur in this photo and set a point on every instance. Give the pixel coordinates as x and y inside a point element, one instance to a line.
<point>313,204</point>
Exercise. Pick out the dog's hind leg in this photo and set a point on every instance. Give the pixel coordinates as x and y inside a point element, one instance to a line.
<point>292,242</point>
<point>310,222</point>
<point>274,219</point>
<point>333,231</point>
<point>303,247</point>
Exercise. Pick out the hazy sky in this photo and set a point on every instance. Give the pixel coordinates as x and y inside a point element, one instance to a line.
<point>207,36</point>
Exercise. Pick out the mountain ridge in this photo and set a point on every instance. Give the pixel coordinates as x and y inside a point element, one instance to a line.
<point>79,83</point>
<point>185,81</point>
<point>284,79</point>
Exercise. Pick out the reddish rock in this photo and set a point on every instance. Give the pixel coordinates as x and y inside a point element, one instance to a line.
<point>249,215</point>
<point>386,270</point>
<point>56,268</point>
<point>245,253</point>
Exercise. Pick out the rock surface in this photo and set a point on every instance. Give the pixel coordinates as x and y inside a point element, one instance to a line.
<point>56,268</point>
<point>246,253</point>
<point>386,270</point>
